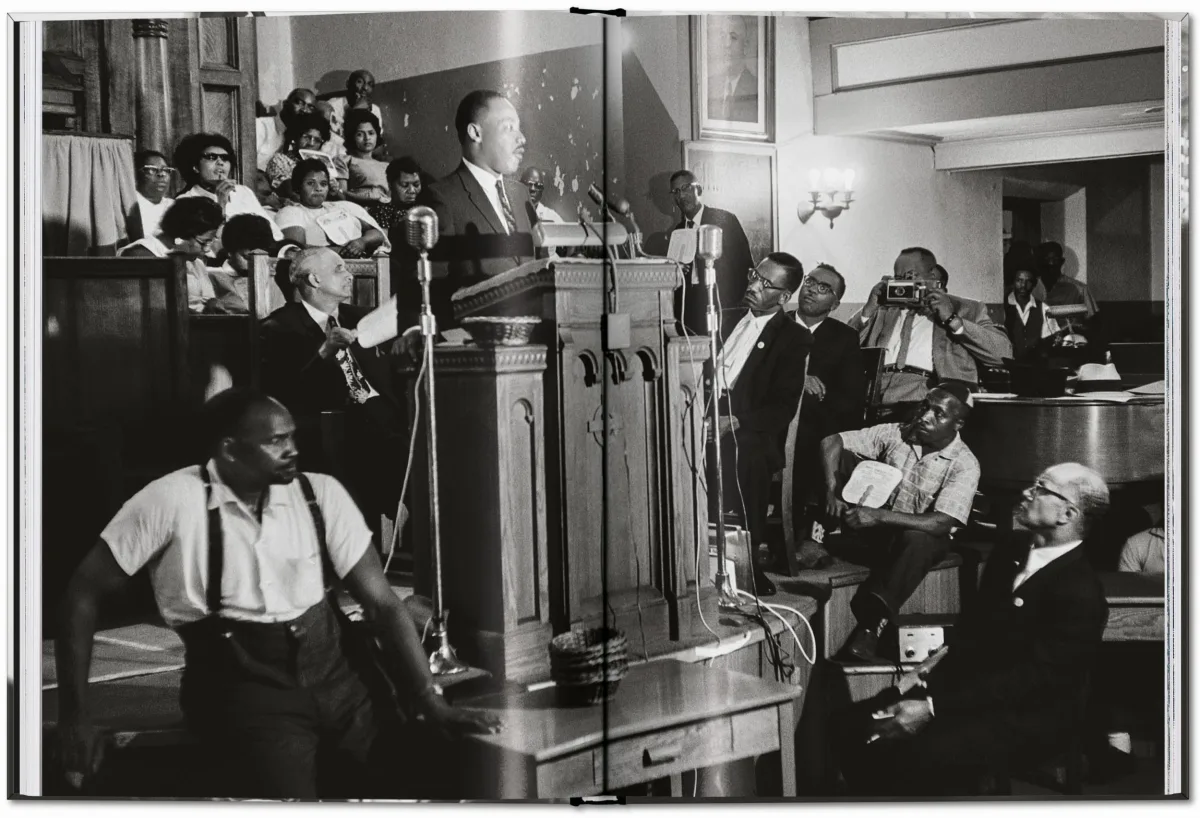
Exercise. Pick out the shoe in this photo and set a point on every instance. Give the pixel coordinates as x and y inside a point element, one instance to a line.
<point>864,646</point>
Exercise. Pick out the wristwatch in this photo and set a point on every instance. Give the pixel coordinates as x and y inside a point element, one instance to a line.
<point>950,323</point>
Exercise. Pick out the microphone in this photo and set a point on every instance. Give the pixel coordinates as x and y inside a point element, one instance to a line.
<point>708,243</point>
<point>620,206</point>
<point>421,228</point>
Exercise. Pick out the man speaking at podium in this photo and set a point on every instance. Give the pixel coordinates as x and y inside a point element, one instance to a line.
<point>483,218</point>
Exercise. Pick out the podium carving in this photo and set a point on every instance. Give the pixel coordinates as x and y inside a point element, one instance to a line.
<point>558,510</point>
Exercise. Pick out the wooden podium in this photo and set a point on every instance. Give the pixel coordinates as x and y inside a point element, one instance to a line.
<point>535,501</point>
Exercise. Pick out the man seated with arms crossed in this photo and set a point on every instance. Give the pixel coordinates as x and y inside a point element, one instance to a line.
<point>943,338</point>
<point>1008,687</point>
<point>267,683</point>
<point>911,532</point>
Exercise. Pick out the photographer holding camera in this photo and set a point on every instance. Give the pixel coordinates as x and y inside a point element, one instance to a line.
<point>930,336</point>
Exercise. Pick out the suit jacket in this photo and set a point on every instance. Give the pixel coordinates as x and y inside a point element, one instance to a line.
<point>472,243</point>
<point>732,267</point>
<point>768,389</point>
<point>836,359</point>
<point>739,106</point>
<point>954,358</point>
<point>302,380</point>
<point>1023,655</point>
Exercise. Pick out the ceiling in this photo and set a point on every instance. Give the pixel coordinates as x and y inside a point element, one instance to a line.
<point>1137,114</point>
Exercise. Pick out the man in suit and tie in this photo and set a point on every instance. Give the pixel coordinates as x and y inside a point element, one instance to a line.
<point>942,338</point>
<point>834,393</point>
<point>1008,687</point>
<point>760,377</point>
<point>691,300</point>
<point>312,363</point>
<point>483,219</point>
<point>732,86</point>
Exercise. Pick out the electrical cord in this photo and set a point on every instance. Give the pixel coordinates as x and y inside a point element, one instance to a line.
<point>412,447</point>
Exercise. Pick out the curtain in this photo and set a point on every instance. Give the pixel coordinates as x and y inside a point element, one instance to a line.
<point>87,189</point>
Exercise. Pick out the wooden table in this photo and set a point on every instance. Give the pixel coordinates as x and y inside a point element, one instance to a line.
<point>666,717</point>
<point>1135,607</point>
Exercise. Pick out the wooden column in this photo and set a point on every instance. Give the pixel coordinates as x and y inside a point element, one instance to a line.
<point>153,97</point>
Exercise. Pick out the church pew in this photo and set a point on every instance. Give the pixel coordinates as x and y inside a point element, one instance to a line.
<point>372,281</point>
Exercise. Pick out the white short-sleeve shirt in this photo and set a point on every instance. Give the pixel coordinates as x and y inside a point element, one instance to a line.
<point>272,571</point>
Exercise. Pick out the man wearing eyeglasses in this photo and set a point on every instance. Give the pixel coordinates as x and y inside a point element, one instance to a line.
<point>1009,686</point>
<point>834,393</point>
<point>943,337</point>
<point>153,182</point>
<point>691,300</point>
<point>760,377</point>
<point>540,213</point>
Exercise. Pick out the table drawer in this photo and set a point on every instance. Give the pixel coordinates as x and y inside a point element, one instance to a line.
<point>645,758</point>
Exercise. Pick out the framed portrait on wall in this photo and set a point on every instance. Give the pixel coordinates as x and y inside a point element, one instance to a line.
<point>733,82</point>
<point>740,178</point>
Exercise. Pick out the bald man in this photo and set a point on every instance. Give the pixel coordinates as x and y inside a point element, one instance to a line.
<point>1009,685</point>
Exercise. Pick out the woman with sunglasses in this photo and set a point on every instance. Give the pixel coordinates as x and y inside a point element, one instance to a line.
<point>153,182</point>
<point>206,162</point>
<point>190,227</point>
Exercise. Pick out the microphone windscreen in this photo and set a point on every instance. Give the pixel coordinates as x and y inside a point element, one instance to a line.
<point>708,242</point>
<point>421,228</point>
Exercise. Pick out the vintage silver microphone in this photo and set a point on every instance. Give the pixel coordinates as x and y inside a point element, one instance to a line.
<point>708,250</point>
<point>620,207</point>
<point>421,233</point>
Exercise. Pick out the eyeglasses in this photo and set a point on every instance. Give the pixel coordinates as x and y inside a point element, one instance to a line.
<point>753,276</point>
<point>155,170</point>
<point>216,157</point>
<point>820,286</point>
<point>679,191</point>
<point>535,186</point>
<point>1041,488</point>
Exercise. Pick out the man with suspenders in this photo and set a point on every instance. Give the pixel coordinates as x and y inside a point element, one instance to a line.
<point>271,676</point>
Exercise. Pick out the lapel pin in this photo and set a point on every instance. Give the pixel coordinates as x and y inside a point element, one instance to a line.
<point>761,345</point>
<point>1018,602</point>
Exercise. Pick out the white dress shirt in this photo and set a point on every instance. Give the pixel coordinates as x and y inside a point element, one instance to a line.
<point>1049,324</point>
<point>738,346</point>
<point>152,213</point>
<point>920,344</point>
<point>487,180</point>
<point>811,329</point>
<point>1039,558</point>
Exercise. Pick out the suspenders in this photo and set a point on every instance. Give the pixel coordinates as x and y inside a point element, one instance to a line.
<point>216,541</point>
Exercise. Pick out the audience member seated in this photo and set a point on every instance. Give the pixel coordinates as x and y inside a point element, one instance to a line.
<point>535,181</point>
<point>360,86</point>
<point>760,376</point>
<point>834,393</point>
<point>206,162</point>
<point>1029,327</point>
<point>910,532</point>
<point>153,181</point>
<point>271,129</point>
<point>242,235</point>
<point>1007,691</point>
<point>271,686</point>
<point>315,222</point>
<point>190,226</point>
<point>312,363</point>
<point>336,146</point>
<point>1056,289</point>
<point>943,337</point>
<point>405,181</point>
<point>307,132</point>
<point>368,182</point>
<point>1145,552</point>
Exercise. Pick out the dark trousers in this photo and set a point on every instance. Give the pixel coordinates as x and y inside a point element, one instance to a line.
<point>283,710</point>
<point>898,558</point>
<point>747,483</point>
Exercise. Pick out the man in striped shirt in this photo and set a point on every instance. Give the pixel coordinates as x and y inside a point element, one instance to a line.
<point>910,532</point>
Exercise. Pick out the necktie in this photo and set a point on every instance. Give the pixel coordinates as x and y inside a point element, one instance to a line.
<point>690,224</point>
<point>905,337</point>
<point>356,381</point>
<point>687,268</point>
<point>509,218</point>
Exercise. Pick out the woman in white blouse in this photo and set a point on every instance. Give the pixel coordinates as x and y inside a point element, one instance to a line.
<point>317,222</point>
<point>206,162</point>
<point>188,226</point>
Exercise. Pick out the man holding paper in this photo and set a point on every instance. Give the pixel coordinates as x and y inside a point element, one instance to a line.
<point>903,504</point>
<point>313,363</point>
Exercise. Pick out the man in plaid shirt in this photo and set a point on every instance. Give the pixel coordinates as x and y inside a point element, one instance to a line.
<point>910,533</point>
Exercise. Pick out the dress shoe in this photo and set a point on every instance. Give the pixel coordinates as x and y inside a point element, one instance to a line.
<point>865,645</point>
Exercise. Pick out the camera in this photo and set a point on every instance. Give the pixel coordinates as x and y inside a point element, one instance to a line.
<point>906,293</point>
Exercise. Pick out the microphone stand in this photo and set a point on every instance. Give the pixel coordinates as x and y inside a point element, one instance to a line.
<point>726,600</point>
<point>442,661</point>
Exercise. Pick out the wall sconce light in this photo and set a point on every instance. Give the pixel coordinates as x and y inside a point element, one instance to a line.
<point>830,193</point>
